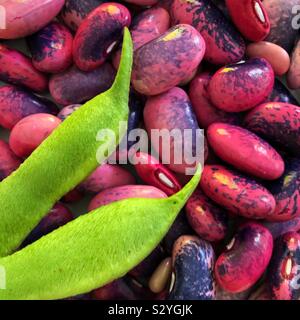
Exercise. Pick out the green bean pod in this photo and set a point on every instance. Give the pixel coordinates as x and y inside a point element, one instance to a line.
<point>63,160</point>
<point>92,250</point>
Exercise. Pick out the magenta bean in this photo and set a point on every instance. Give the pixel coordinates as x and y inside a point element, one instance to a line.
<point>24,17</point>
<point>16,68</point>
<point>106,176</point>
<point>237,193</point>
<point>224,44</point>
<point>75,86</point>
<point>9,162</point>
<point>205,111</point>
<point>193,261</point>
<point>245,151</point>
<point>67,111</point>
<point>146,26</point>
<point>172,110</point>
<point>286,191</point>
<point>51,48</point>
<point>98,35</point>
<point>280,13</point>
<point>281,94</point>
<point>17,103</point>
<point>207,219</point>
<point>151,171</point>
<point>30,132</point>
<point>165,62</point>
<point>278,123</point>
<point>278,229</point>
<point>124,192</point>
<point>240,87</point>
<point>58,216</point>
<point>246,258</point>
<point>74,11</point>
<point>284,272</point>
<point>116,290</point>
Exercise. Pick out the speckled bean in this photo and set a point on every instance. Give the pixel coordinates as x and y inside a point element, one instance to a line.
<point>165,62</point>
<point>283,273</point>
<point>278,123</point>
<point>193,261</point>
<point>74,11</point>
<point>106,176</point>
<point>125,192</point>
<point>205,111</point>
<point>51,48</point>
<point>172,110</point>
<point>224,44</point>
<point>17,103</point>
<point>245,151</point>
<point>16,68</point>
<point>278,229</point>
<point>27,16</point>
<point>98,35</point>
<point>286,191</point>
<point>207,219</point>
<point>67,111</point>
<point>246,258</point>
<point>237,193</point>
<point>240,87</point>
<point>75,86</point>
<point>146,26</point>
<point>281,15</point>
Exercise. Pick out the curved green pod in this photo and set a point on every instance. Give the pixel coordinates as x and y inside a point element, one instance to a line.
<point>92,250</point>
<point>63,160</point>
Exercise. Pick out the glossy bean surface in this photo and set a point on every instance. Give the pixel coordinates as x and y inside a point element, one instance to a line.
<point>17,103</point>
<point>283,274</point>
<point>98,35</point>
<point>193,261</point>
<point>28,16</point>
<point>237,193</point>
<point>165,62</point>
<point>30,132</point>
<point>9,162</point>
<point>224,44</point>
<point>240,87</point>
<point>206,218</point>
<point>204,109</point>
<point>125,192</point>
<point>51,48</point>
<point>16,68</point>
<point>278,123</point>
<point>246,258</point>
<point>173,110</point>
<point>245,151</point>
<point>75,86</point>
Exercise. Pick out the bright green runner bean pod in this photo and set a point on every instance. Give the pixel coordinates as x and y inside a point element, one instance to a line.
<point>63,160</point>
<point>92,250</point>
